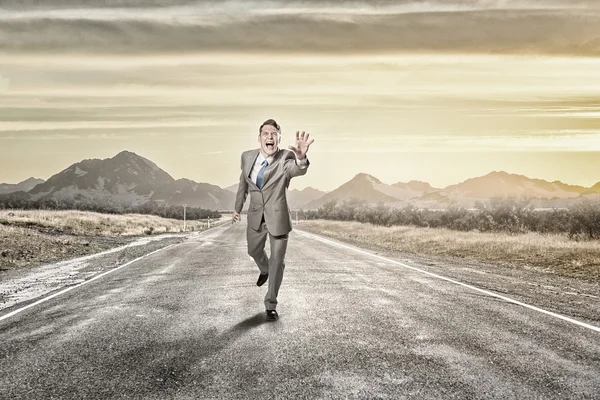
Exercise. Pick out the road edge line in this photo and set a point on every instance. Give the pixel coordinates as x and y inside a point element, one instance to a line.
<point>67,289</point>
<point>487,292</point>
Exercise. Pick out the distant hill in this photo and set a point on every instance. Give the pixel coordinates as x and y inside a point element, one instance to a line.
<point>367,188</point>
<point>233,188</point>
<point>412,189</point>
<point>24,186</point>
<point>593,189</point>
<point>296,198</point>
<point>502,184</point>
<point>300,198</point>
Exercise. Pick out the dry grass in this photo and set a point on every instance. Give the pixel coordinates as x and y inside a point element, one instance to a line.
<point>34,237</point>
<point>83,223</point>
<point>555,253</point>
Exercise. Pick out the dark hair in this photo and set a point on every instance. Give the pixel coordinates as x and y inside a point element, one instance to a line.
<point>269,122</point>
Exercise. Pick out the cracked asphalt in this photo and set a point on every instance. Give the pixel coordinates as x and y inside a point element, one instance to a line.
<point>188,323</point>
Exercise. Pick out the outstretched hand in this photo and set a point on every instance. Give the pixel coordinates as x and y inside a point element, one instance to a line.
<point>236,217</point>
<point>302,144</point>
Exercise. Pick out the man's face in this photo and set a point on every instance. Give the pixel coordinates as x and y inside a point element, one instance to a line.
<point>269,140</point>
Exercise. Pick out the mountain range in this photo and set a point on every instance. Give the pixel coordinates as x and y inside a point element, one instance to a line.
<point>496,184</point>
<point>130,179</point>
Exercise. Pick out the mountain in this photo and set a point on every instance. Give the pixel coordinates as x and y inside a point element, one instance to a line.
<point>299,198</point>
<point>233,188</point>
<point>502,184</point>
<point>24,186</point>
<point>363,187</point>
<point>194,194</point>
<point>593,189</point>
<point>411,189</point>
<point>130,179</point>
<point>126,177</point>
<point>418,186</point>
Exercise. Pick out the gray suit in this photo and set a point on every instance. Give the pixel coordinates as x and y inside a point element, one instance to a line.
<point>268,214</point>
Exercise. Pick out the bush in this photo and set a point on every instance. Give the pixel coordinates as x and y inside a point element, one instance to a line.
<point>584,220</point>
<point>504,215</point>
<point>497,215</point>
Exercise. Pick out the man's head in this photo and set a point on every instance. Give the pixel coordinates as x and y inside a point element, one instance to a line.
<point>269,135</point>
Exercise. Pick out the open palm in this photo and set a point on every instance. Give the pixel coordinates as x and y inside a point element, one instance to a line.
<point>302,144</point>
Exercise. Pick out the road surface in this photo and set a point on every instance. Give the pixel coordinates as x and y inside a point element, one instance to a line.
<point>188,322</point>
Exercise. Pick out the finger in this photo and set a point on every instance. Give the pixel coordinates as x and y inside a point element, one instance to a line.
<point>307,135</point>
<point>297,135</point>
<point>309,143</point>
<point>302,136</point>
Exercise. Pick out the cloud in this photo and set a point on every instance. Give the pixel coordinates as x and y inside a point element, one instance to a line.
<point>475,26</point>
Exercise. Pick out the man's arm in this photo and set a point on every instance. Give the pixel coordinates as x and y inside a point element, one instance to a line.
<point>296,162</point>
<point>295,167</point>
<point>240,197</point>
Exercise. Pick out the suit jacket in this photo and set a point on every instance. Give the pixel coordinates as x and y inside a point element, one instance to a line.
<point>269,201</point>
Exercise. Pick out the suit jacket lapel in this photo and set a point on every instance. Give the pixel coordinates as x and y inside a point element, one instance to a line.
<point>270,169</point>
<point>249,165</point>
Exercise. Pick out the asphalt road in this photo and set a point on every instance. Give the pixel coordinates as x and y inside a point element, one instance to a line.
<point>188,322</point>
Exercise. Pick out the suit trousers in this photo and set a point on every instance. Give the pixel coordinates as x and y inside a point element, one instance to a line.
<point>273,265</point>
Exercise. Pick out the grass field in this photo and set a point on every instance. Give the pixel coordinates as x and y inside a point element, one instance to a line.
<point>94,224</point>
<point>553,253</point>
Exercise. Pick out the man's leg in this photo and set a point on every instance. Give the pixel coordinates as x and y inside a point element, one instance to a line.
<point>256,247</point>
<point>276,267</point>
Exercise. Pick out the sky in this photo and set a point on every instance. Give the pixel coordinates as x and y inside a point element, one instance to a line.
<point>435,91</point>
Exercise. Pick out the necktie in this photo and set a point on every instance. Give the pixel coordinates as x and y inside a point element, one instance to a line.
<point>261,173</point>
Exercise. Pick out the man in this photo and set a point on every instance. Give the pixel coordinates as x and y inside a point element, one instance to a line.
<point>266,174</point>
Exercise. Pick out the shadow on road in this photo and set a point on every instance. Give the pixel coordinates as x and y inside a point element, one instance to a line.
<point>136,363</point>
<point>247,324</point>
<point>170,365</point>
<point>187,356</point>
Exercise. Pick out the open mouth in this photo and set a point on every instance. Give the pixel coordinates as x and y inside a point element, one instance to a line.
<point>270,145</point>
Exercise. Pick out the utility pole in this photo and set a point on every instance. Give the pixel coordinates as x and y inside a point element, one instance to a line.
<point>184,206</point>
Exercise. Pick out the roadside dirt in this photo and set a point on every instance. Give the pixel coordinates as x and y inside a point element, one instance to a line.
<point>28,248</point>
<point>24,284</point>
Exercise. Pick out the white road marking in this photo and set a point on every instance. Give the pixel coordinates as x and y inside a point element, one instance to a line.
<point>507,299</point>
<point>10,314</point>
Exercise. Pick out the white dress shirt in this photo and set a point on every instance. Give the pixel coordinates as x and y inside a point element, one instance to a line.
<point>258,165</point>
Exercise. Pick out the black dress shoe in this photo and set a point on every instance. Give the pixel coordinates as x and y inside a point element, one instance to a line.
<point>262,278</point>
<point>272,315</point>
